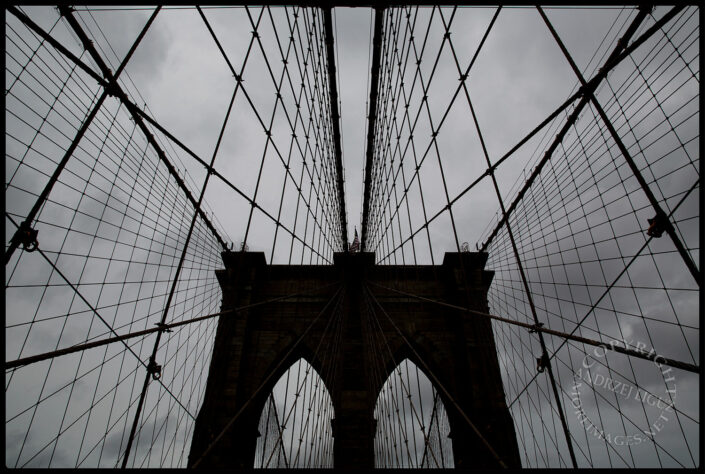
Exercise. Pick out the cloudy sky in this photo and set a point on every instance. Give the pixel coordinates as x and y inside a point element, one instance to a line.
<point>179,74</point>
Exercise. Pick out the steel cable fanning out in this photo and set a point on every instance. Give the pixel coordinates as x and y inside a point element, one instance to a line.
<point>182,291</point>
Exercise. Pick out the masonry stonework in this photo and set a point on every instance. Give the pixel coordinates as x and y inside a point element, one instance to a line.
<point>253,349</point>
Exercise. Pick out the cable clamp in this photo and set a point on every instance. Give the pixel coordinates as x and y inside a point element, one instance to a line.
<point>535,328</point>
<point>154,369</point>
<point>541,363</point>
<point>163,327</point>
<point>657,225</point>
<point>584,90</point>
<point>26,236</point>
<point>112,88</point>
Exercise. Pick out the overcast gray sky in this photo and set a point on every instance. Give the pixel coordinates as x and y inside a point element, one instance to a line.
<point>519,78</point>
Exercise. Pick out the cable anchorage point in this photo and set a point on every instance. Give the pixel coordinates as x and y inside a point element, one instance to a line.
<point>542,362</point>
<point>535,328</point>
<point>154,369</point>
<point>26,236</point>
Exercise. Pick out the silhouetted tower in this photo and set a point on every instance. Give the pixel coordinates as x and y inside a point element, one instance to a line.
<point>253,348</point>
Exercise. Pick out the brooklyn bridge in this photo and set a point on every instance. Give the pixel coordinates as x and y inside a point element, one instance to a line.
<point>305,236</point>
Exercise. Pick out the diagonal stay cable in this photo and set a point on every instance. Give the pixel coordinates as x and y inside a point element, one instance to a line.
<point>86,411</point>
<point>165,327</point>
<point>27,223</point>
<point>51,40</point>
<point>435,130</point>
<point>73,287</point>
<point>651,356</point>
<point>627,156</point>
<point>416,414</point>
<point>210,170</point>
<point>433,423</point>
<point>152,361</point>
<point>611,63</point>
<point>31,57</point>
<point>278,84</point>
<point>621,52</point>
<point>114,88</point>
<point>390,391</point>
<point>286,415</point>
<point>239,79</point>
<point>218,175</point>
<point>530,298</point>
<point>266,380</point>
<point>463,78</point>
<point>438,382</point>
<point>629,419</point>
<point>279,429</point>
<point>607,290</point>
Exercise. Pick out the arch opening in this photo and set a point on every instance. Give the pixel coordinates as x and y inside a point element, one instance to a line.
<point>295,424</point>
<point>412,423</point>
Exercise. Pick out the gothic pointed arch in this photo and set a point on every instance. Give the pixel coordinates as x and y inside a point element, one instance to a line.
<point>412,426</point>
<point>294,429</point>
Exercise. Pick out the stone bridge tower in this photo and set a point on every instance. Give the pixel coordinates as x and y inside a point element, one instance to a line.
<point>251,345</point>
